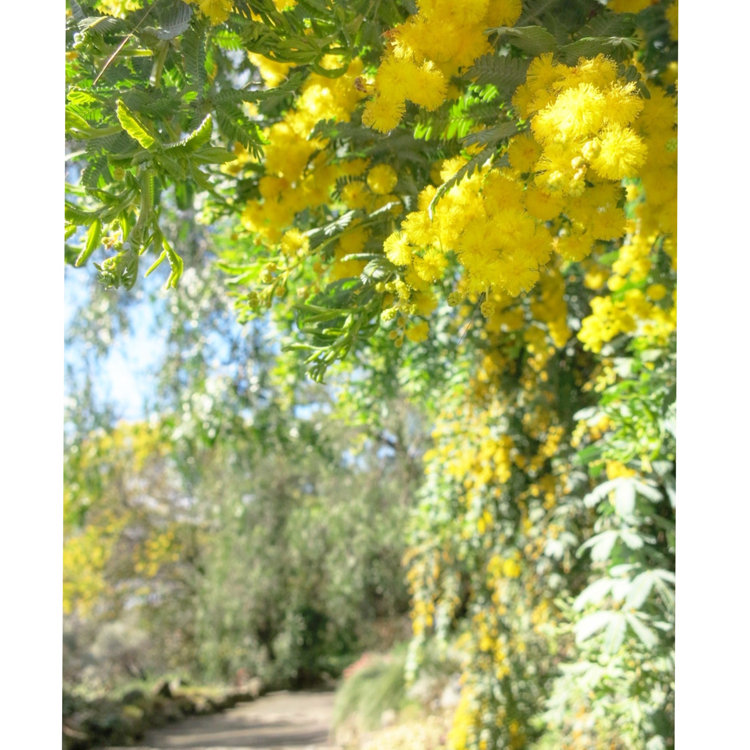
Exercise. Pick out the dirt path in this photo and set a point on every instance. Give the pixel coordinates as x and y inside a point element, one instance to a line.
<point>283,721</point>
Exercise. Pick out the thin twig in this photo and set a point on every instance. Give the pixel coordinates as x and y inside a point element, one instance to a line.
<point>121,45</point>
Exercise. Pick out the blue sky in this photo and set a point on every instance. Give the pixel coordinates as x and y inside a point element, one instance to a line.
<point>127,373</point>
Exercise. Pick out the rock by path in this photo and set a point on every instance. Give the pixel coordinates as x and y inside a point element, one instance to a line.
<point>282,721</point>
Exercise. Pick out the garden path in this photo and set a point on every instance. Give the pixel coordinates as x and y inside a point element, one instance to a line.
<point>282,721</point>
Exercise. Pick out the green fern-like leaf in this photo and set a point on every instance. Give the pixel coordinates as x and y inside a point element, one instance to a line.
<point>534,9</point>
<point>101,25</point>
<point>618,48</point>
<point>491,136</point>
<point>607,23</point>
<point>173,20</point>
<point>505,73</point>
<point>193,45</point>
<point>194,140</point>
<point>227,39</point>
<point>96,173</point>
<point>322,235</point>
<point>163,104</point>
<point>77,11</point>
<point>236,127</point>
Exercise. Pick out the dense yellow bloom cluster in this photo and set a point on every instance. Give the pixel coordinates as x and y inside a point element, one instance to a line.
<point>483,223</point>
<point>550,306</point>
<point>423,567</point>
<point>427,49</point>
<point>658,175</point>
<point>85,558</point>
<point>299,172</point>
<point>464,720</point>
<point>633,307</point>
<point>582,119</point>
<point>562,191</point>
<point>157,550</point>
<point>632,313</point>
<point>485,461</point>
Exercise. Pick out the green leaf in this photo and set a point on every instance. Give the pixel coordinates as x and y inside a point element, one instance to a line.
<point>642,631</point>
<point>532,39</point>
<point>615,634</point>
<point>504,72</point>
<point>193,47</point>
<point>75,123</point>
<point>78,215</point>
<point>491,135</point>
<point>156,263</point>
<point>601,545</point>
<point>631,539</point>
<point>227,39</point>
<point>640,588</point>
<point>607,23</point>
<point>174,21</point>
<point>175,263</point>
<point>236,127</point>
<point>213,155</point>
<point>134,127</point>
<point>618,48</point>
<point>93,236</point>
<point>624,498</point>
<point>592,624</point>
<point>199,137</point>
<point>594,593</point>
<point>588,455</point>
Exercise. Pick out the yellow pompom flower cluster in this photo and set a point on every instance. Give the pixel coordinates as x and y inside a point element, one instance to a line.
<point>118,8</point>
<point>351,243</point>
<point>271,71</point>
<point>299,168</point>
<point>632,313</point>
<point>671,14</point>
<point>217,11</point>
<point>550,307</point>
<point>427,49</point>
<point>634,306</point>
<point>381,179</point>
<point>85,559</point>
<point>629,6</point>
<point>485,461</point>
<point>582,119</point>
<point>482,221</point>
<point>658,175</point>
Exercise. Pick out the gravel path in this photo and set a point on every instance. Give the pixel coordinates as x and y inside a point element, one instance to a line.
<point>283,721</point>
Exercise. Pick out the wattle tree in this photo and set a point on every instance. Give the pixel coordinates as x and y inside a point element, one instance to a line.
<point>473,204</point>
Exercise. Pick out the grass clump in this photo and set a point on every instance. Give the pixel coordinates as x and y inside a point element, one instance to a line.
<point>376,686</point>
